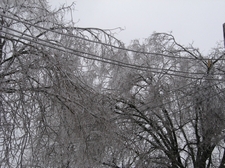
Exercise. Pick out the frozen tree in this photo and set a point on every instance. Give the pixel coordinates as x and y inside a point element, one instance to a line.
<point>76,97</point>
<point>171,112</point>
<point>51,112</point>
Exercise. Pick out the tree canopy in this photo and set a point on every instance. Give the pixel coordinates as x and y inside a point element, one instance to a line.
<point>78,97</point>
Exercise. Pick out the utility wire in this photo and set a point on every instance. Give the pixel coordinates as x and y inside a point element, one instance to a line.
<point>98,58</point>
<point>102,43</point>
<point>52,30</point>
<point>170,91</point>
<point>93,56</point>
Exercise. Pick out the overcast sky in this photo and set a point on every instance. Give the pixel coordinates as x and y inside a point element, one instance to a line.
<point>191,21</point>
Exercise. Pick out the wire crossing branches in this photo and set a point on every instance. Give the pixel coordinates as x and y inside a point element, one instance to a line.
<point>77,97</point>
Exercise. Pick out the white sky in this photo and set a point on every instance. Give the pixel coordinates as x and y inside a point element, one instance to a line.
<point>191,21</point>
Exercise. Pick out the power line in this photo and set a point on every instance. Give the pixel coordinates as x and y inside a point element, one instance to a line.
<point>99,42</point>
<point>98,58</point>
<point>126,65</point>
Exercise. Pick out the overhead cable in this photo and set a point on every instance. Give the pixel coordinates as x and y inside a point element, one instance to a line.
<point>99,42</point>
<point>96,57</point>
